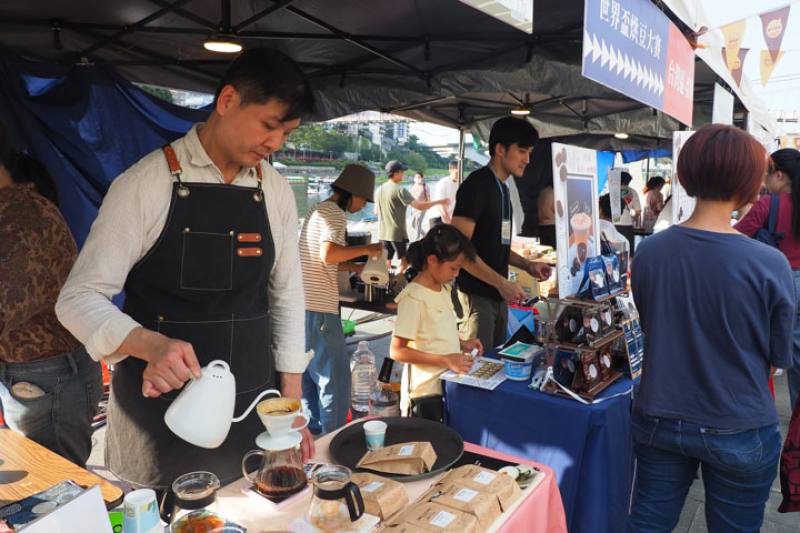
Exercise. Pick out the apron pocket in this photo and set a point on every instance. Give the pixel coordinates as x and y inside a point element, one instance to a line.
<point>252,360</point>
<point>207,261</point>
<point>210,339</point>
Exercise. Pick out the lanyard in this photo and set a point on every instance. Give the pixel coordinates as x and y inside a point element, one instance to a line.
<point>506,209</point>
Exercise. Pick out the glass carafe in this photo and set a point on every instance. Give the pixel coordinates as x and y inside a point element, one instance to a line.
<point>337,501</point>
<point>280,473</point>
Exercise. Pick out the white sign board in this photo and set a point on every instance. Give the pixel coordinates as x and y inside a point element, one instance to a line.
<point>86,512</point>
<point>722,112</point>
<point>577,224</point>
<point>682,203</point>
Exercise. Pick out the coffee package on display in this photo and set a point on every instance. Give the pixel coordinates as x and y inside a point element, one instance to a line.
<point>594,285</point>
<point>613,277</point>
<point>483,506</point>
<point>408,458</point>
<point>383,497</point>
<point>432,517</point>
<point>485,481</point>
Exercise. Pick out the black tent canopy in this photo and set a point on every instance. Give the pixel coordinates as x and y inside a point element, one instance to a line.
<point>435,60</point>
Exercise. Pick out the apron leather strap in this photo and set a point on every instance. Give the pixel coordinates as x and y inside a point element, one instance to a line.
<point>176,170</point>
<point>172,161</point>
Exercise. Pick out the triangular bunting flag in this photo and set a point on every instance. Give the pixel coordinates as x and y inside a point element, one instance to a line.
<point>768,65</point>
<point>773,24</point>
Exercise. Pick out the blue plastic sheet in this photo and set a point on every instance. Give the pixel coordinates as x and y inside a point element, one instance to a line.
<point>87,125</point>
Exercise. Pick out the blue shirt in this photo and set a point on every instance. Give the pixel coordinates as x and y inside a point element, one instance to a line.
<point>716,310</point>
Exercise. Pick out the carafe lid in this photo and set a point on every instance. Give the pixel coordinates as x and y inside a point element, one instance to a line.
<point>195,490</point>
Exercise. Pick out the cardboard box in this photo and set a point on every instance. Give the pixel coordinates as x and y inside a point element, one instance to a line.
<point>432,518</point>
<point>383,497</point>
<point>483,506</point>
<point>485,481</point>
<point>409,458</point>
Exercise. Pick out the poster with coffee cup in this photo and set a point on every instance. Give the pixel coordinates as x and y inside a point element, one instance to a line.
<point>577,225</point>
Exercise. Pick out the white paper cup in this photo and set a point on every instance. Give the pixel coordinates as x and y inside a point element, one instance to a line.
<point>375,433</point>
<point>140,510</point>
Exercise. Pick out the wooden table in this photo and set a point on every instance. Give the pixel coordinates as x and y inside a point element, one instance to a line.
<point>27,468</point>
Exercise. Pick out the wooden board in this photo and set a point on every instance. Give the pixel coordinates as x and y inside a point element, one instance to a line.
<point>27,468</point>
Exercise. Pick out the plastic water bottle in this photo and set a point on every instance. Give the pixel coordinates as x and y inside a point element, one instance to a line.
<point>363,378</point>
<point>384,401</point>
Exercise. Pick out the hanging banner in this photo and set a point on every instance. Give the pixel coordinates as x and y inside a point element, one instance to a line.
<point>722,112</point>
<point>577,224</point>
<point>632,47</point>
<point>682,203</point>
<point>773,24</point>
<point>733,34</point>
<point>736,63</point>
<point>768,64</point>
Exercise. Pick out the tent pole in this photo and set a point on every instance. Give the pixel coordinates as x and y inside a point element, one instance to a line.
<point>462,135</point>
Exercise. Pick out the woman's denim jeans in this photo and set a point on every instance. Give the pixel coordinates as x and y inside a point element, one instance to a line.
<point>60,419</point>
<point>738,470</point>
<point>326,381</point>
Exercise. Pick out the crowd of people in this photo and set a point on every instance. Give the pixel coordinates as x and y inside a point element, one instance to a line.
<point>202,237</point>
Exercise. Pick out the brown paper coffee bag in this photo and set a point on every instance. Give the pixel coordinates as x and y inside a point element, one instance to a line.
<point>485,481</point>
<point>432,517</point>
<point>483,506</point>
<point>409,458</point>
<point>383,497</point>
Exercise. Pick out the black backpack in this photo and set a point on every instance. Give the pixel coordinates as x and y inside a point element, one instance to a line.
<point>767,234</point>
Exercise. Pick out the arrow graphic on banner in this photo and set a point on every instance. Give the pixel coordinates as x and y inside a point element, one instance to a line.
<point>616,61</point>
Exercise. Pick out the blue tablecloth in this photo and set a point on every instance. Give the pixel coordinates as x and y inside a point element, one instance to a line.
<point>588,446</point>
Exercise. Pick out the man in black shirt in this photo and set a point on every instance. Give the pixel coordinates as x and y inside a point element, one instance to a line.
<point>483,213</point>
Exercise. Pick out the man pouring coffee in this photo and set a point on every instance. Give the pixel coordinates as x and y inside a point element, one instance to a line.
<point>202,237</point>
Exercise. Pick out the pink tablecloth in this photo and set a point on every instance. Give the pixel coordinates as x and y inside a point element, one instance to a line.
<point>542,511</point>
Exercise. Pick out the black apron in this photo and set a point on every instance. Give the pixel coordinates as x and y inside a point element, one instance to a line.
<point>204,281</point>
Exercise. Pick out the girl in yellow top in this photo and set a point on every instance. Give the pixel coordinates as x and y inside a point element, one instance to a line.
<point>426,332</point>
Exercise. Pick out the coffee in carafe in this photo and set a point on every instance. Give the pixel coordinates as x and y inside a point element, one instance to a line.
<point>280,473</point>
<point>280,481</point>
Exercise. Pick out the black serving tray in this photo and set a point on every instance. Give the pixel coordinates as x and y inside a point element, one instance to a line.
<point>349,445</point>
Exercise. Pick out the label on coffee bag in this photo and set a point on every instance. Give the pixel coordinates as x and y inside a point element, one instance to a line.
<point>442,519</point>
<point>406,451</point>
<point>372,487</point>
<point>484,478</point>
<point>465,495</point>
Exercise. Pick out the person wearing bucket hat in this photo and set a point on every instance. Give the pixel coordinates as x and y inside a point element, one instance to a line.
<point>391,203</point>
<point>323,252</point>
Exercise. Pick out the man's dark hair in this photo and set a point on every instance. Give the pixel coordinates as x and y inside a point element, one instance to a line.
<point>605,205</point>
<point>263,74</point>
<point>511,130</point>
<point>452,165</point>
<point>625,177</point>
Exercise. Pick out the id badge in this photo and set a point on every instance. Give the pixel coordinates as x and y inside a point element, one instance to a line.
<point>505,232</point>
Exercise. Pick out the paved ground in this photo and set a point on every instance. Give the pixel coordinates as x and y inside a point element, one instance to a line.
<point>692,519</point>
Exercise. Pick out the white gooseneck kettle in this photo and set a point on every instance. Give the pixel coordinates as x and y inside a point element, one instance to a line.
<point>203,412</point>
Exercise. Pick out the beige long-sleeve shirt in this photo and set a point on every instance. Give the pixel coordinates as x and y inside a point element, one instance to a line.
<point>130,220</point>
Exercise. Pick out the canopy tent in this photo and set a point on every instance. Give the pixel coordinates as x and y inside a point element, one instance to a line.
<point>440,61</point>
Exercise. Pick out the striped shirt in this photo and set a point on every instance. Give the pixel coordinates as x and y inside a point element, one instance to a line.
<point>325,222</point>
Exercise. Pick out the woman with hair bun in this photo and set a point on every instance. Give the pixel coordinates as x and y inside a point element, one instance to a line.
<point>782,180</point>
<point>426,331</point>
